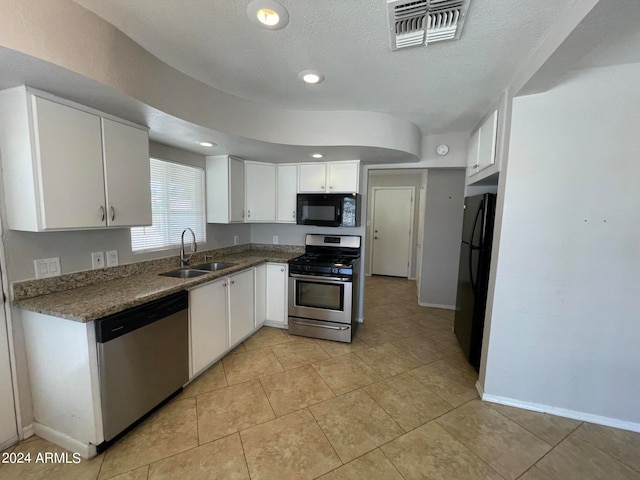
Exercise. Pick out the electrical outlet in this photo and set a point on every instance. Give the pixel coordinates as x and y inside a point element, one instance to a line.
<point>47,267</point>
<point>275,239</point>
<point>236,239</point>
<point>97,260</point>
<point>112,258</point>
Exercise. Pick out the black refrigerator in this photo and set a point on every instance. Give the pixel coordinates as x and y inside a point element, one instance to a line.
<point>473,274</point>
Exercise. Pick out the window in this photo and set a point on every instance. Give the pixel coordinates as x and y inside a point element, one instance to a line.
<point>177,202</point>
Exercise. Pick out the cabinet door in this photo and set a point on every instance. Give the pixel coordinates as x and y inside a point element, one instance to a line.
<point>260,192</point>
<point>260,294</point>
<point>277,293</point>
<point>287,182</point>
<point>343,177</point>
<point>126,167</point>
<point>70,164</point>
<point>487,143</point>
<point>208,323</point>
<point>312,177</point>
<point>472,153</point>
<point>241,306</point>
<point>236,190</point>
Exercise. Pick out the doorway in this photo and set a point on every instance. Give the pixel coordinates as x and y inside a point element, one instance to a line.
<point>392,230</point>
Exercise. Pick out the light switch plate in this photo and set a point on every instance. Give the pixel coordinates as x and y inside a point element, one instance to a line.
<point>47,267</point>
<point>275,240</point>
<point>112,258</point>
<point>97,260</point>
<point>236,239</point>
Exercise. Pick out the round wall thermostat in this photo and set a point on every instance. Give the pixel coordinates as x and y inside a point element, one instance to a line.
<point>442,150</point>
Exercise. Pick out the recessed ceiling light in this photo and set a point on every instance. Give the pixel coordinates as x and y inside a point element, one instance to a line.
<point>311,77</point>
<point>207,144</point>
<point>268,14</point>
<point>317,155</point>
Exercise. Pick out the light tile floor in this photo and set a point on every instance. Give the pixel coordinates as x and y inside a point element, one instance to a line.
<point>398,403</point>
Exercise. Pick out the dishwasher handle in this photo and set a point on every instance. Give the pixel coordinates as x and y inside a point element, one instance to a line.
<point>121,323</point>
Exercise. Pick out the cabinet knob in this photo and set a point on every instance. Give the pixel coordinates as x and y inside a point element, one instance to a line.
<point>248,213</point>
<point>113,213</point>
<point>101,213</point>
<point>232,282</point>
<point>330,187</point>
<point>282,269</point>
<point>322,187</point>
<point>294,214</point>
<point>224,284</point>
<point>242,213</point>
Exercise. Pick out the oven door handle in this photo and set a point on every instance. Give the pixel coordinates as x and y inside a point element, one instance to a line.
<point>320,278</point>
<point>329,327</point>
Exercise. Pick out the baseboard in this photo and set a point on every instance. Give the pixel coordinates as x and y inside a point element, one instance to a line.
<point>28,431</point>
<point>9,443</point>
<point>271,323</point>
<point>65,441</point>
<point>480,389</point>
<point>561,412</point>
<point>437,305</point>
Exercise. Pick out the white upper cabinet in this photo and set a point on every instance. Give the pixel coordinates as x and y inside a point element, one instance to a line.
<point>260,191</point>
<point>225,189</point>
<point>287,189</point>
<point>329,177</point>
<point>64,171</point>
<point>312,178</point>
<point>128,191</point>
<point>482,145</point>
<point>342,177</point>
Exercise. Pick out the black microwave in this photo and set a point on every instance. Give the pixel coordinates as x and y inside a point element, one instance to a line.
<point>328,210</point>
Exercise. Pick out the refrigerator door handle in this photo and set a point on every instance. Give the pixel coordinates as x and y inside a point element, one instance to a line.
<point>472,247</point>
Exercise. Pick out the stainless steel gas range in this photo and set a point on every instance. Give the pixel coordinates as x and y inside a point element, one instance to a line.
<point>324,286</point>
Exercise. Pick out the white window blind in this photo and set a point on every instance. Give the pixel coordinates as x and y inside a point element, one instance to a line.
<point>177,202</point>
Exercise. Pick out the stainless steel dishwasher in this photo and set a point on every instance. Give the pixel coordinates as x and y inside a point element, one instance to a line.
<point>143,359</point>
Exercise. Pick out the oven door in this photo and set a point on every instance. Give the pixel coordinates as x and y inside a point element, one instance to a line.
<point>320,298</point>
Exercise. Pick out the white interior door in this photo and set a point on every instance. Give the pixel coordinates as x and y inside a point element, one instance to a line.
<point>392,235</point>
<point>8,428</point>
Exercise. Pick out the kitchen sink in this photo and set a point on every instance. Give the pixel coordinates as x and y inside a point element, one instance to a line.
<point>214,266</point>
<point>185,273</point>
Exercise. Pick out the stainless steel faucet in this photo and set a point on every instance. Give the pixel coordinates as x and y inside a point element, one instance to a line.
<point>184,260</point>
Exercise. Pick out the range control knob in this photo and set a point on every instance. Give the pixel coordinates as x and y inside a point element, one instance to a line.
<point>334,270</point>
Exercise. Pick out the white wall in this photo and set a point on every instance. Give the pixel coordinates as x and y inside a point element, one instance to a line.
<point>563,332</point>
<point>442,235</point>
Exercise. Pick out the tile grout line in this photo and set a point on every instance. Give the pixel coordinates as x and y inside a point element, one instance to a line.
<point>244,454</point>
<point>327,439</point>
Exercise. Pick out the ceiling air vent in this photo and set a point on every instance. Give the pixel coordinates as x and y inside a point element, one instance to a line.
<point>420,22</point>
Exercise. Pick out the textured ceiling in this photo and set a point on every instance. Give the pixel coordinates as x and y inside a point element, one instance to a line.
<point>444,87</point>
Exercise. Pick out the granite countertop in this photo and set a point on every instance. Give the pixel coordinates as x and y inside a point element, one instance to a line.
<point>91,302</point>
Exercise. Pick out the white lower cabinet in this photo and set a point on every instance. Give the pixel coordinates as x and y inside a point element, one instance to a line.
<point>241,306</point>
<point>208,324</point>
<point>221,315</point>
<point>276,295</point>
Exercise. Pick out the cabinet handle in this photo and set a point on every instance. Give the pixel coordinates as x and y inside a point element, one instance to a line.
<point>101,213</point>
<point>232,282</point>
<point>242,213</point>
<point>248,213</point>
<point>113,213</point>
<point>294,214</point>
<point>224,284</point>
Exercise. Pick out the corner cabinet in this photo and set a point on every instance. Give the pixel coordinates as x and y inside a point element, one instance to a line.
<point>287,190</point>
<point>225,189</point>
<point>260,191</point>
<point>67,167</point>
<point>329,177</point>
